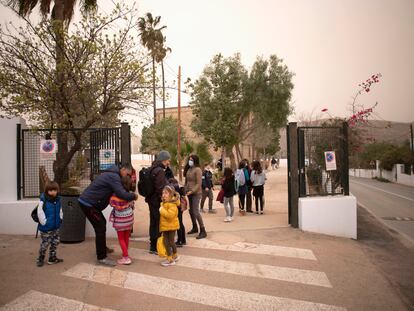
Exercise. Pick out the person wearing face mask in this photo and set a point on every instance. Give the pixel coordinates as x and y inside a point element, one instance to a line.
<point>207,189</point>
<point>193,181</point>
<point>159,181</point>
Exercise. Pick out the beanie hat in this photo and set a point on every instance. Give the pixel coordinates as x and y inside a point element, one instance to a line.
<point>163,155</point>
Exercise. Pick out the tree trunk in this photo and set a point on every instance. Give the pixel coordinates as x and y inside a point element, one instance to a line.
<point>163,90</point>
<point>238,153</point>
<point>153,90</point>
<point>229,152</point>
<point>59,169</point>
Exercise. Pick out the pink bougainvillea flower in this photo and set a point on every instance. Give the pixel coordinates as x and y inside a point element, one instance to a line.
<point>324,110</point>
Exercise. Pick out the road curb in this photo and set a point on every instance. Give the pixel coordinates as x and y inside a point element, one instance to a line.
<point>402,237</point>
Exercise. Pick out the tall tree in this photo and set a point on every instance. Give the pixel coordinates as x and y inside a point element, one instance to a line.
<point>161,53</point>
<point>230,104</point>
<point>104,75</point>
<point>152,38</point>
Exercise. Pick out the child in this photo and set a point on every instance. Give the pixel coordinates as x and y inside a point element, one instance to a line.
<point>169,223</point>
<point>122,217</point>
<point>181,240</point>
<point>229,191</point>
<point>50,217</point>
<point>258,178</point>
<point>241,186</point>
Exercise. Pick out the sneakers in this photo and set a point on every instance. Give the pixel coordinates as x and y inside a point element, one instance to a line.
<point>39,262</point>
<point>124,261</point>
<point>176,258</point>
<point>167,263</point>
<point>54,260</point>
<point>227,219</point>
<point>107,262</point>
<point>180,244</point>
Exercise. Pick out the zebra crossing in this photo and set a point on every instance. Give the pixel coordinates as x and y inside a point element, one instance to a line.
<point>209,295</point>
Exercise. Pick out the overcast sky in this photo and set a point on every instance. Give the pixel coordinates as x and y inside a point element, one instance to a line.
<point>330,45</point>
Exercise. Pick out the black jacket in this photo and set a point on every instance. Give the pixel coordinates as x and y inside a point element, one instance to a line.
<point>228,187</point>
<point>159,181</point>
<point>207,180</point>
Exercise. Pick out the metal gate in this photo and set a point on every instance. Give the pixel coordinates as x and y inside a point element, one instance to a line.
<point>307,172</point>
<point>105,149</point>
<point>96,149</point>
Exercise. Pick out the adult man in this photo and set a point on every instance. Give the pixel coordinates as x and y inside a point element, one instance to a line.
<point>207,189</point>
<point>159,181</point>
<point>95,199</point>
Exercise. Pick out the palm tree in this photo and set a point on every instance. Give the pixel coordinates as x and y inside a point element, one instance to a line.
<point>151,38</point>
<point>161,53</point>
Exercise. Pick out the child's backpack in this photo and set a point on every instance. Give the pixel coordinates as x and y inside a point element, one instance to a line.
<point>33,214</point>
<point>240,178</point>
<point>145,184</point>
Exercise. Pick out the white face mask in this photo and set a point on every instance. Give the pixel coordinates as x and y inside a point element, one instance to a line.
<point>191,163</point>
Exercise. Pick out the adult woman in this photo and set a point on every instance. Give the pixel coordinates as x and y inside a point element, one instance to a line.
<point>193,178</point>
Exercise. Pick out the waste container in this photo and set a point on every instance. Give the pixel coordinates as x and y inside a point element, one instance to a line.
<point>72,229</point>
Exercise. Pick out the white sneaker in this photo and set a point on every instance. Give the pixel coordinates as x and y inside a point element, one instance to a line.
<point>227,219</point>
<point>167,263</point>
<point>230,219</point>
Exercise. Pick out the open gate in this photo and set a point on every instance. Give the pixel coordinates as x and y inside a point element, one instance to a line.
<point>308,175</point>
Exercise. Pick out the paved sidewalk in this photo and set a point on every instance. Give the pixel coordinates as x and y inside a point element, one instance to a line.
<point>275,212</point>
<point>272,267</point>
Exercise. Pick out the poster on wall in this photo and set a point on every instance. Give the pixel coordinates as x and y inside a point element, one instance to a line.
<point>48,149</point>
<point>106,158</point>
<point>330,160</point>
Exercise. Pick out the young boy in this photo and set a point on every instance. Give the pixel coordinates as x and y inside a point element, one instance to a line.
<point>50,216</point>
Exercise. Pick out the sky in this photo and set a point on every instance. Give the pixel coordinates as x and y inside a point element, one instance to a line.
<point>330,45</point>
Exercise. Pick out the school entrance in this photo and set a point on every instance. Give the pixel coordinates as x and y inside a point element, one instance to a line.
<point>317,164</point>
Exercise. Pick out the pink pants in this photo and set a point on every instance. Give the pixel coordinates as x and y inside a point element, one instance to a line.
<point>123,238</point>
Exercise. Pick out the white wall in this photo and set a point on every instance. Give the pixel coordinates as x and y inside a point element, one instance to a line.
<point>332,215</point>
<point>15,217</point>
<point>8,176</point>
<point>396,175</point>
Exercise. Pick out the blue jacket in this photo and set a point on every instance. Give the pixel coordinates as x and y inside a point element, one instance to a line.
<point>51,208</point>
<point>103,187</point>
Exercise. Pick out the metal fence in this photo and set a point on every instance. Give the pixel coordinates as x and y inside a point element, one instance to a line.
<point>323,161</point>
<point>79,156</point>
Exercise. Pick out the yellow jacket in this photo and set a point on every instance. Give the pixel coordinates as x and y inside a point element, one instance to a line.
<point>169,216</point>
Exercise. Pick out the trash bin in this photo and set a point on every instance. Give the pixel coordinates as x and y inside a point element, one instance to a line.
<point>72,229</point>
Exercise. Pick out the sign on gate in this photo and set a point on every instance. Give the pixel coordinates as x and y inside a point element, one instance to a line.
<point>48,149</point>
<point>106,158</point>
<point>330,160</point>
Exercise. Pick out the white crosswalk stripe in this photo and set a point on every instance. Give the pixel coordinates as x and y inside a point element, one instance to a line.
<point>191,292</point>
<point>37,301</point>
<point>259,249</point>
<point>308,277</point>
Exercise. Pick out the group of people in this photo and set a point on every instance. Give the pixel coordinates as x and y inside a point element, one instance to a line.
<point>167,201</point>
<point>242,182</point>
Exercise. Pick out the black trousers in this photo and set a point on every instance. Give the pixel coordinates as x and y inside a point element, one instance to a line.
<point>154,228</point>
<point>98,222</point>
<point>181,231</point>
<point>249,200</point>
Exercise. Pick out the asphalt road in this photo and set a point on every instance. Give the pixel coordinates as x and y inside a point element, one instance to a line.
<point>392,203</point>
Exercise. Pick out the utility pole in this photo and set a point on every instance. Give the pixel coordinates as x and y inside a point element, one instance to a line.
<point>412,147</point>
<point>180,174</point>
